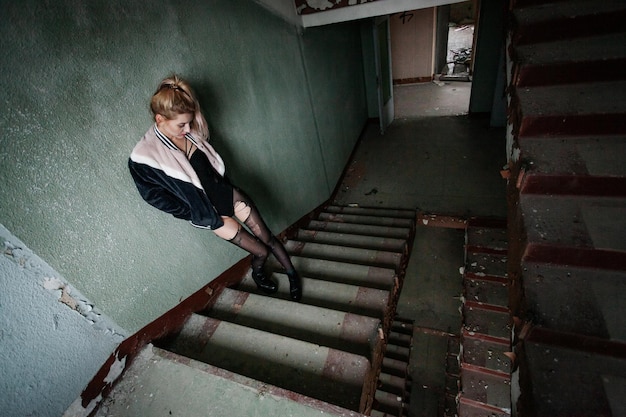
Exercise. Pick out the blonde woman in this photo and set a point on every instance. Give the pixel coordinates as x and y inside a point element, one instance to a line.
<point>177,171</point>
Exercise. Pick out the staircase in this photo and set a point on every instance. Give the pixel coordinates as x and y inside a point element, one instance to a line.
<point>322,354</point>
<point>485,368</point>
<point>567,201</point>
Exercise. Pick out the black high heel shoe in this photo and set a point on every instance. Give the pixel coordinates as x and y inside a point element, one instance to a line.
<point>295,286</point>
<point>263,283</point>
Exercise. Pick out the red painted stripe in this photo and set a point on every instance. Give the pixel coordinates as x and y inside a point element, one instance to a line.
<point>575,257</point>
<point>487,222</point>
<point>481,336</point>
<point>490,409</point>
<point>570,27</point>
<point>574,341</point>
<point>490,278</point>
<point>571,73</point>
<point>574,185</point>
<point>484,249</point>
<point>488,307</point>
<point>573,125</point>
<point>486,371</point>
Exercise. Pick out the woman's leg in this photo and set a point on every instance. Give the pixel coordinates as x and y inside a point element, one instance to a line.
<point>247,212</point>
<point>233,232</point>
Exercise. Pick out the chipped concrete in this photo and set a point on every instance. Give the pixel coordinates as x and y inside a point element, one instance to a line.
<point>48,328</point>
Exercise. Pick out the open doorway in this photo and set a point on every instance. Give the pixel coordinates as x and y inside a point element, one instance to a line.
<point>460,42</point>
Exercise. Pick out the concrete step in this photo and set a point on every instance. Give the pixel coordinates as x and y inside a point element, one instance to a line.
<point>389,403</point>
<point>347,273</point>
<point>316,371</point>
<point>332,295</point>
<point>487,352</point>
<point>486,289</point>
<point>589,373</point>
<point>591,283</point>
<point>587,212</point>
<point>574,99</point>
<point>360,229</point>
<point>599,156</point>
<point>392,384</point>
<point>372,211</point>
<point>142,392</point>
<point>394,367</point>
<point>334,329</point>
<point>379,258</point>
<point>485,386</point>
<point>487,319</point>
<point>491,237</point>
<point>352,240</point>
<point>484,264</point>
<point>367,219</point>
<point>471,408</point>
<point>526,12</point>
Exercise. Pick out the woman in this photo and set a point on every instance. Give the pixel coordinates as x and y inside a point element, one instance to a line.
<point>177,171</point>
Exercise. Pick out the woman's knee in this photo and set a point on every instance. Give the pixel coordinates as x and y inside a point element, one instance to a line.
<point>242,210</point>
<point>229,230</point>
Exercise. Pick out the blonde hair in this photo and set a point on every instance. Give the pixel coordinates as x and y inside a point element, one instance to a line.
<point>175,96</point>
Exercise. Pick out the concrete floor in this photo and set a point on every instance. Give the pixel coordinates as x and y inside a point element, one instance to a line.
<point>436,159</point>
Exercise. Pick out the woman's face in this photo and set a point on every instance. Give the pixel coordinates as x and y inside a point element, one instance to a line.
<point>175,128</point>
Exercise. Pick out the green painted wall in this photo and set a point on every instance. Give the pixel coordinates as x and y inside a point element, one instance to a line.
<point>285,110</point>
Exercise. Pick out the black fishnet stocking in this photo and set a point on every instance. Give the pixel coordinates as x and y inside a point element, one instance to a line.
<point>264,236</point>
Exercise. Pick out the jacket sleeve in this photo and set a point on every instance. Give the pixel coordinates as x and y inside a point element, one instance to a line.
<point>166,194</point>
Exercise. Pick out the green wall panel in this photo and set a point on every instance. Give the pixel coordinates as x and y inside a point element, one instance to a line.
<point>284,108</point>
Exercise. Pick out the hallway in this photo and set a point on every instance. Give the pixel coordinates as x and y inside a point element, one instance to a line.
<point>438,161</point>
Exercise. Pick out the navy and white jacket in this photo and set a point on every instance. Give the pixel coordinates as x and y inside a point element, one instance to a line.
<point>166,180</point>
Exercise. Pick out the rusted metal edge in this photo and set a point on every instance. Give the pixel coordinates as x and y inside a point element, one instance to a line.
<point>487,222</point>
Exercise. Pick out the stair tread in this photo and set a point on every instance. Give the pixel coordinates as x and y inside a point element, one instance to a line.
<point>291,364</point>
<point>486,386</point>
<point>375,211</point>
<point>600,373</point>
<point>486,352</point>
<point>578,221</point>
<point>595,156</point>
<point>325,327</point>
<point>592,48</point>
<point>157,380</point>
<point>360,229</point>
<point>489,320</point>
<point>561,10</point>
<point>348,273</point>
<point>486,264</point>
<point>334,295</point>
<point>384,259</point>
<point>487,237</point>
<point>367,219</point>
<point>574,99</point>
<point>594,295</point>
<point>352,240</point>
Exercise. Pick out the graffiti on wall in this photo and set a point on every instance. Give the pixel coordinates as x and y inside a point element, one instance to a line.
<point>314,6</point>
